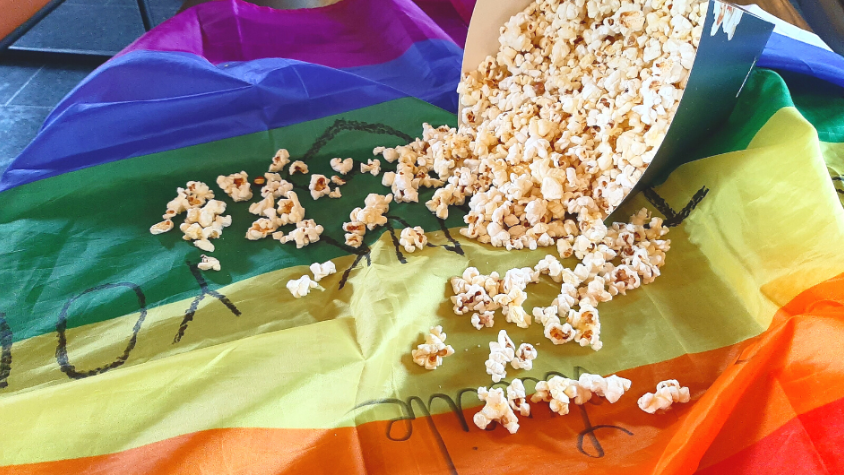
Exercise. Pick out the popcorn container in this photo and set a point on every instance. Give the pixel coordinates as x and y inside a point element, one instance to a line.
<point>731,42</point>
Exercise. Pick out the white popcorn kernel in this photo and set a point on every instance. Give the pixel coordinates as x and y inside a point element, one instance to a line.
<point>587,325</point>
<point>497,409</point>
<point>301,286</point>
<point>323,270</point>
<point>335,193</point>
<point>667,393</point>
<point>306,232</point>
<point>389,154</point>
<point>204,244</point>
<point>275,186</point>
<point>337,180</point>
<point>162,227</point>
<point>260,207</point>
<point>372,214</point>
<point>319,186</point>
<point>517,398</point>
<point>342,166</point>
<point>298,167</point>
<point>353,240</point>
<point>290,211</point>
<point>550,266</point>
<point>236,185</point>
<point>524,356</point>
<point>413,238</point>
<point>280,160</point>
<point>388,178</point>
<point>261,228</point>
<point>371,166</point>
<point>501,352</point>
<point>431,353</point>
<point>208,263</point>
<point>483,319</point>
<point>558,392</point>
<point>612,387</point>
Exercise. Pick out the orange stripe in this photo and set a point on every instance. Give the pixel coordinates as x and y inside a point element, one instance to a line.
<point>16,12</point>
<point>741,394</point>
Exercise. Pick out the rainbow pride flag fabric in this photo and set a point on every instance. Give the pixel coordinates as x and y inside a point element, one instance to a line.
<point>119,356</point>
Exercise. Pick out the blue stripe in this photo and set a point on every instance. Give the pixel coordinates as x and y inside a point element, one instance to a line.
<point>784,53</point>
<point>147,102</point>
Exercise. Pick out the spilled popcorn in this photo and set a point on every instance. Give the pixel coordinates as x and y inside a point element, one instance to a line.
<point>667,393</point>
<point>431,353</point>
<point>301,286</point>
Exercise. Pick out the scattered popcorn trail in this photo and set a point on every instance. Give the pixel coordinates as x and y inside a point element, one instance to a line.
<point>667,393</point>
<point>431,353</point>
<point>301,286</point>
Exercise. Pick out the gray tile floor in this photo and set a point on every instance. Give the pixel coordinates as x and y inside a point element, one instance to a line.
<point>29,91</point>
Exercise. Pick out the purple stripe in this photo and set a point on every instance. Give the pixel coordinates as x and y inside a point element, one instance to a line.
<point>347,34</point>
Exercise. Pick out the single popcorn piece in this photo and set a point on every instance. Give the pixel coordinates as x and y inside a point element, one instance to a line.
<point>260,207</point>
<point>290,211</point>
<point>261,228</point>
<point>517,399</point>
<point>298,167</point>
<point>162,227</point>
<point>323,270</point>
<point>319,186</point>
<point>280,160</point>
<point>612,387</point>
<point>301,286</point>
<point>558,392</point>
<point>524,356</point>
<point>342,166</point>
<point>371,166</point>
<point>501,352</point>
<point>483,319</point>
<point>236,185</point>
<point>208,263</point>
<point>431,353</point>
<point>667,393</point>
<point>413,238</point>
<point>306,232</point>
<point>204,244</point>
<point>337,180</point>
<point>496,408</point>
<point>335,193</point>
<point>372,214</point>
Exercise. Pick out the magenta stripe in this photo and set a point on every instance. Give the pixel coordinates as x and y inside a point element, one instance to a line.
<point>347,34</point>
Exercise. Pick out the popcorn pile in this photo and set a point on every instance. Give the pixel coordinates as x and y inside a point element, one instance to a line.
<point>667,393</point>
<point>560,125</point>
<point>431,353</point>
<point>559,392</point>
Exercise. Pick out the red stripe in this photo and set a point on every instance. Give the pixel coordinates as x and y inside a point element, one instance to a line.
<point>812,443</point>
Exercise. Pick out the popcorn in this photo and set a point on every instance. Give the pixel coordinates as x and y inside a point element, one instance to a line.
<point>371,166</point>
<point>194,195</point>
<point>306,232</point>
<point>558,392</point>
<point>524,356</point>
<point>496,408</point>
<point>413,238</point>
<point>388,178</point>
<point>261,229</point>
<point>275,186</point>
<point>298,167</point>
<point>203,224</point>
<point>290,211</point>
<point>319,186</point>
<point>517,399</point>
<point>204,244</point>
<point>667,393</point>
<point>162,227</point>
<point>587,326</point>
<point>483,319</point>
<point>372,214</point>
<point>337,180</point>
<point>431,353</point>
<point>208,263</point>
<point>260,207</point>
<point>355,231</point>
<point>280,160</point>
<point>335,193</point>
<point>301,286</point>
<point>342,166</point>
<point>236,185</point>
<point>612,387</point>
<point>323,270</point>
<point>501,352</point>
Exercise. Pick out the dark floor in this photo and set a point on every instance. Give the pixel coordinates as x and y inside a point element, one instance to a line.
<point>30,90</point>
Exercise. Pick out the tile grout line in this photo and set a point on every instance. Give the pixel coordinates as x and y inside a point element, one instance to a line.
<point>24,85</point>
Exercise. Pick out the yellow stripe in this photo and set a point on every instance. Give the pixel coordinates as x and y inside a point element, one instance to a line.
<point>307,363</point>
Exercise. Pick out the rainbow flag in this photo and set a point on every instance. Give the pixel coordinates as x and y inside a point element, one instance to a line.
<point>120,356</point>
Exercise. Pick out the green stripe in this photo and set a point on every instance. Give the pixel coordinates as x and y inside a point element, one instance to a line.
<point>820,102</point>
<point>77,231</point>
